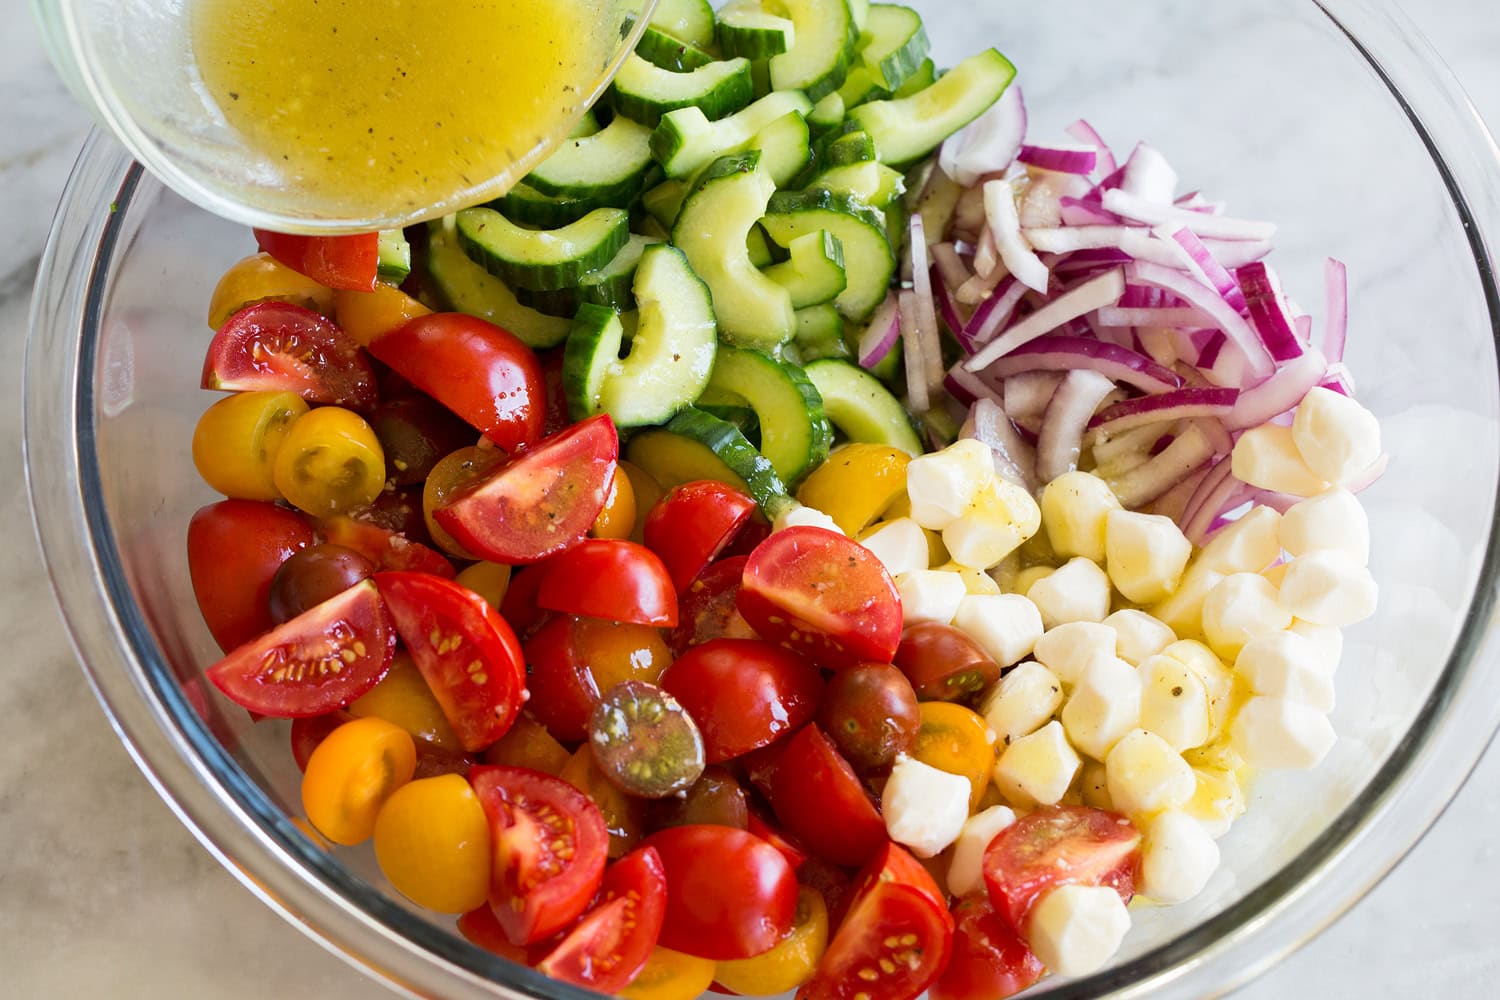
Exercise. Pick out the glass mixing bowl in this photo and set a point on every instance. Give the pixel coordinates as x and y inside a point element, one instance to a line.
<point>1333,118</point>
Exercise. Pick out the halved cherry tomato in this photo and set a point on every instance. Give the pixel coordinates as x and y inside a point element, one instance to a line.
<point>893,941</point>
<point>234,549</point>
<point>820,800</point>
<point>647,492</point>
<point>744,693</point>
<point>432,841</point>
<point>310,731</point>
<point>644,742</point>
<point>349,262</point>
<point>282,347</point>
<point>519,606</point>
<point>528,744</point>
<point>415,432</point>
<point>468,654</point>
<point>313,575</point>
<point>1059,845</point>
<point>752,533</point>
<point>459,468</point>
<point>370,314</point>
<point>791,962</point>
<point>818,592</point>
<point>261,277</point>
<point>550,845</point>
<point>857,483</point>
<point>706,608</point>
<point>617,519</point>
<point>479,371</point>
<point>690,526</point>
<point>383,547</point>
<point>943,663</point>
<point>540,502</point>
<point>616,580</point>
<point>753,899</point>
<point>482,929</point>
<point>563,692</point>
<point>956,739</point>
<point>404,699</point>
<point>352,774</point>
<point>870,713</point>
<point>795,855</point>
<point>329,463</point>
<point>716,798</point>
<point>557,417</point>
<point>671,975</point>
<point>989,958</point>
<point>489,580</point>
<point>319,661</point>
<point>611,945</point>
<point>624,815</point>
<point>236,441</point>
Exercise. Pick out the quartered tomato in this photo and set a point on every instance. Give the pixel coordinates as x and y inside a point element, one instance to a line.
<point>820,800</point>
<point>989,958</point>
<point>615,580</point>
<point>1059,845</point>
<point>383,547</point>
<point>235,548</point>
<point>550,844</point>
<point>465,650</point>
<point>479,371</point>
<point>563,692</point>
<point>352,774</point>
<point>694,522</point>
<point>706,608</point>
<point>319,661</point>
<point>818,592</point>
<point>795,855</point>
<point>459,468</point>
<point>753,901</point>
<point>613,942</point>
<point>286,348</point>
<point>542,501</point>
<point>482,929</point>
<point>349,262</point>
<point>791,962</point>
<point>557,417</point>
<point>744,693</point>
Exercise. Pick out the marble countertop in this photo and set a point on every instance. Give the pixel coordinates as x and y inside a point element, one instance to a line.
<point>103,893</point>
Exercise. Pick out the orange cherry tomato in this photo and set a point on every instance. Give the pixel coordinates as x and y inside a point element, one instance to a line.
<point>528,744</point>
<point>403,698</point>
<point>366,316</point>
<point>955,739</point>
<point>432,841</point>
<point>448,476</point>
<point>262,278</point>
<point>617,519</point>
<point>351,775</point>
<point>236,441</point>
<point>624,816</point>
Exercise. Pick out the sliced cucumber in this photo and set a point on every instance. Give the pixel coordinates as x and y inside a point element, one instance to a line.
<point>794,435</point>
<point>671,355</point>
<point>924,77</point>
<point>676,460</point>
<point>587,125</point>
<point>850,147</point>
<point>824,47</point>
<point>469,288</point>
<point>820,333</point>
<point>745,29</point>
<point>861,11</point>
<point>869,261</point>
<point>686,141</point>
<point>660,49</point>
<point>645,93</point>
<point>609,286</point>
<point>826,115</point>
<point>860,87</point>
<point>394,262</point>
<point>742,417</point>
<point>690,21</point>
<point>542,259</point>
<point>525,204</point>
<point>759,248</point>
<point>814,274</point>
<point>875,184</point>
<point>752,310</point>
<point>609,165</point>
<point>859,406</point>
<point>664,201</point>
<point>893,44</point>
<point>907,129</point>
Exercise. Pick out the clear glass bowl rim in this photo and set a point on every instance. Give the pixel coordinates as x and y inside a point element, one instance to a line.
<point>240,825</point>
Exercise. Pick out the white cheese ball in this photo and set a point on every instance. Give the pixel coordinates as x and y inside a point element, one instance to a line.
<point>803,516</point>
<point>1145,555</point>
<point>1146,776</point>
<point>1030,577</point>
<point>1076,929</point>
<point>1266,457</point>
<point>1104,706</point>
<point>1001,517</point>
<point>1328,588</point>
<point>1074,508</point>
<point>924,808</point>
<point>1093,786</point>
<point>1026,697</point>
<point>1006,626</point>
<point>966,870</point>
<point>1278,734</point>
<point>1183,611</point>
<point>1287,665</point>
<point>1177,859</point>
<point>900,545</point>
<point>1328,640</point>
<point>1336,436</point>
<point>930,595</point>
<point>1174,702</point>
<point>1241,607</point>
<point>1246,545</point>
<point>1334,519</point>
<point>1217,801</point>
<point>1138,635</point>
<point>1078,591</point>
<point>1068,649</point>
<point>1218,679</point>
<point>1037,770</point>
<point>942,485</point>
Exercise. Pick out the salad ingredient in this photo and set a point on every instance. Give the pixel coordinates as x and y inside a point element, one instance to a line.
<point>791,962</point>
<point>644,741</point>
<point>337,262</point>
<point>966,868</point>
<point>671,975</point>
<point>1146,776</point>
<point>615,940</point>
<point>743,693</point>
<point>1038,768</point>
<point>415,434</point>
<point>989,958</point>
<point>366,316</point>
<point>1337,437</point>
<point>707,611</point>
<point>956,739</point>
<point>237,439</point>
<point>1076,929</point>
<point>617,580</point>
<point>433,842</point>
<point>819,799</point>
<point>692,524</point>
<point>329,463</point>
<point>617,519</point>
<point>313,575</point>
<point>235,548</point>
<point>261,278</point>
<point>1104,705</point>
<point>870,713</point>
<point>351,775</point>
<point>1287,665</point>
<point>1178,858</point>
<point>1026,697</point>
<point>1334,519</point>
<point>1327,587</point>
<point>461,467</point>
<point>1281,734</point>
<point>924,807</point>
<point>1005,626</point>
<point>385,548</point>
<point>402,697</point>
<point>942,662</point>
<point>856,484</point>
<point>281,347</point>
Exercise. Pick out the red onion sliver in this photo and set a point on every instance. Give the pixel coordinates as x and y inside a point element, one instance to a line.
<point>1138,243</point>
<point>1268,311</point>
<point>1062,159</point>
<point>1215,273</point>
<point>1336,280</point>
<point>1171,503</point>
<point>1005,225</point>
<point>880,336</point>
<point>1175,405</point>
<point>1014,458</point>
<point>1027,394</point>
<point>995,311</point>
<point>949,264</point>
<point>1131,206</point>
<point>1237,253</point>
<point>948,313</point>
<point>1084,132</point>
<point>964,386</point>
<point>1200,517</point>
<point>1206,299</point>
<point>1214,476</point>
<point>912,353</point>
<point>1068,413</point>
<point>1116,453</point>
<point>1077,212</point>
<point>1151,479</point>
<point>1103,290</point>
<point>1117,363</point>
<point>927,328</point>
<point>1176,317</point>
<point>1279,393</point>
<point>989,143</point>
<point>1149,176</point>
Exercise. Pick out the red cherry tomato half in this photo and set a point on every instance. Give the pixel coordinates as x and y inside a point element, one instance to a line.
<point>989,958</point>
<point>795,856</point>
<point>481,929</point>
<point>610,946</point>
<point>519,603</point>
<point>818,592</point>
<point>607,578</point>
<point>692,524</point>
<point>819,799</point>
<point>550,846</point>
<point>387,549</point>
<point>743,693</point>
<point>283,347</point>
<point>563,692</point>
<point>345,262</point>
<point>319,661</point>
<point>894,929</point>
<point>235,548</point>
<point>1059,845</point>
<point>706,607</point>
<point>729,893</point>
<point>557,417</point>
<point>466,652</point>
<point>479,371</point>
<point>542,501</point>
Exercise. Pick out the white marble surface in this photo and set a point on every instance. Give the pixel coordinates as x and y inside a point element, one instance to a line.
<point>102,893</point>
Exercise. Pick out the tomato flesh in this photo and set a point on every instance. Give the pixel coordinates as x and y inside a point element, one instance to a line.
<point>468,655</point>
<point>612,943</point>
<point>820,801</point>
<point>1059,845</point>
<point>286,348</point>
<point>820,593</point>
<point>692,524</point>
<point>989,958</point>
<point>387,549</point>
<point>542,501</point>
<point>744,693</point>
<point>706,607</point>
<point>235,548</point>
<point>319,661</point>
<point>606,578</point>
<point>350,263</point>
<point>550,846</point>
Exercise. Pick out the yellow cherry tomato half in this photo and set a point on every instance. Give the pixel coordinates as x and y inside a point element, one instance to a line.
<point>789,964</point>
<point>330,463</point>
<point>487,579</point>
<point>261,278</point>
<point>857,484</point>
<point>617,518</point>
<point>528,744</point>
<point>623,815</point>
<point>454,470</point>
<point>955,739</point>
<point>433,842</point>
<point>352,773</point>
<point>671,975</point>
<point>615,652</point>
<point>646,491</point>
<point>403,698</point>
<point>237,439</point>
<point>367,316</point>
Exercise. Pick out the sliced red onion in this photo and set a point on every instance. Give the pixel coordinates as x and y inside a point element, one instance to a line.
<point>949,264</point>
<point>1209,301</point>
<point>1028,393</point>
<point>1208,485</point>
<point>1151,479</point>
<point>1077,212</point>
<point>1279,393</point>
<point>1194,201</point>
<point>1062,159</point>
<point>1268,311</point>
<point>1120,452</point>
<point>966,387</point>
<point>1005,225</point>
<point>1084,132</point>
<point>1217,435</point>
<point>1091,260</point>
<point>1200,518</point>
<point>1279,502</point>
<point>1237,253</point>
<point>927,324</point>
<point>1061,439</point>
<point>1175,317</point>
<point>1339,379</point>
<point>880,336</point>
<point>1149,176</point>
<point>1066,353</point>
<point>1171,503</point>
<point>1042,205</point>
<point>995,311</point>
<point>1095,293</point>
<point>1138,243</point>
<point>1014,459</point>
<point>989,143</point>
<point>1336,281</point>
<point>1213,272</point>
<point>1131,206</point>
<point>1176,405</point>
<point>968,216</point>
<point>913,353</point>
<point>1208,354</point>
<point>947,311</point>
<point>987,266</point>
